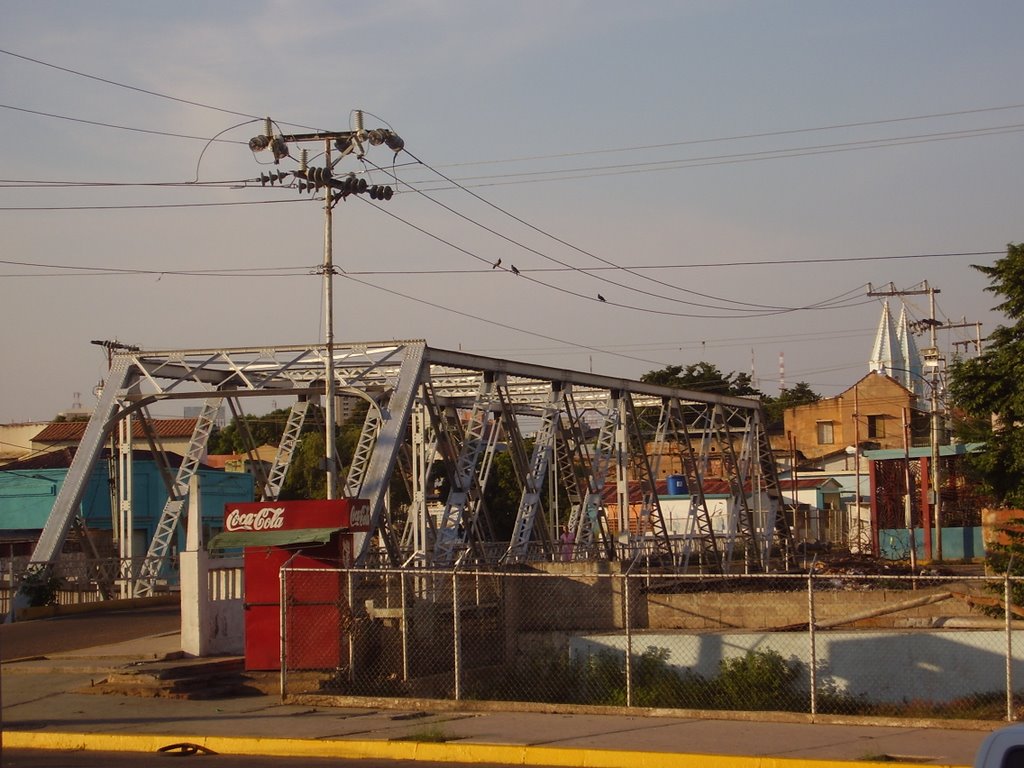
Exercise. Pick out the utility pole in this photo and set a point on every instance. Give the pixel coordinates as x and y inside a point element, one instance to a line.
<point>931,359</point>
<point>335,189</point>
<point>975,342</point>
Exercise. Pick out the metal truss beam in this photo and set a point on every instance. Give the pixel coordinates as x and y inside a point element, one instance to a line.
<point>452,530</point>
<point>66,505</point>
<point>586,430</point>
<point>587,521</point>
<point>530,501</point>
<point>167,526</point>
<point>286,449</point>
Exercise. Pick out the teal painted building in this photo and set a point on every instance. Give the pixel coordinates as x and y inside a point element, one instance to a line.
<point>27,495</point>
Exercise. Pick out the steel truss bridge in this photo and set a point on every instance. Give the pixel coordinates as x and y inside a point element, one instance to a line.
<point>586,451</point>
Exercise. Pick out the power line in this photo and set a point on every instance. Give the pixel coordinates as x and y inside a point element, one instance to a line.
<point>488,270</point>
<point>587,253</point>
<point>113,125</point>
<point>647,310</point>
<point>575,174</point>
<point>695,265</point>
<point>144,206</point>
<point>755,310</point>
<point>220,272</point>
<point>129,87</point>
<point>489,321</point>
<point>746,136</point>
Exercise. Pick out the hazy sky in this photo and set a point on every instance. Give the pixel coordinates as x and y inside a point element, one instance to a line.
<point>764,156</point>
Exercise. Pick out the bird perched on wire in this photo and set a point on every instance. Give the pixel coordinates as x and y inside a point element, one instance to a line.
<point>600,297</point>
<point>514,270</point>
<point>496,264</point>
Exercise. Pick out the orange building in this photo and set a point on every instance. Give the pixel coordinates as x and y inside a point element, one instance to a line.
<point>871,413</point>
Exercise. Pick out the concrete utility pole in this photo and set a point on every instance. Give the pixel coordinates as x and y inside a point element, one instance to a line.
<point>932,359</point>
<point>335,189</point>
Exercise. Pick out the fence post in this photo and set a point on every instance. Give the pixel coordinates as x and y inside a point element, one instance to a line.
<point>351,596</point>
<point>284,630</point>
<point>629,640</point>
<point>810,636</point>
<point>456,636</point>
<point>405,629</point>
<point>1007,595</point>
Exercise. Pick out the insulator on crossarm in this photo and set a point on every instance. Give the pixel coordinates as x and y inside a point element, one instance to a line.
<point>279,148</point>
<point>264,179</point>
<point>395,142</point>
<point>320,176</point>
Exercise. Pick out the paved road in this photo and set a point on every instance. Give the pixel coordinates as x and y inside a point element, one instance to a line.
<point>85,630</point>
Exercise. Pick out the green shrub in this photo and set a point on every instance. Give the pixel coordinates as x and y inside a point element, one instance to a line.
<point>40,587</point>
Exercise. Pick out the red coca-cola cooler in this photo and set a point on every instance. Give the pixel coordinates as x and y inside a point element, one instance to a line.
<point>306,535</point>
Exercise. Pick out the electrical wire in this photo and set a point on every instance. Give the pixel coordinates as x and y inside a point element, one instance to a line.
<point>119,127</point>
<point>673,165</point>
<point>742,137</point>
<point>826,304</point>
<point>702,265</point>
<point>78,269</point>
<point>741,306</point>
<point>61,184</point>
<point>117,84</point>
<point>143,206</point>
<point>755,310</point>
<point>489,321</point>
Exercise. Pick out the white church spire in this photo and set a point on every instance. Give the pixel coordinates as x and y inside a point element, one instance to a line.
<point>912,377</point>
<point>886,354</point>
<point>895,352</point>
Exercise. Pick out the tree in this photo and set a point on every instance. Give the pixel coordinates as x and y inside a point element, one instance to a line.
<point>790,397</point>
<point>265,430</point>
<point>306,478</point>
<point>990,389</point>
<point>703,377</point>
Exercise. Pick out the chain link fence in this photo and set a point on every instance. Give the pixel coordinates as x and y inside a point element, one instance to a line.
<point>76,579</point>
<point>851,645</point>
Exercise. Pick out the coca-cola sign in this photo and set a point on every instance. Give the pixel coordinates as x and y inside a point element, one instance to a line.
<point>263,519</point>
<point>291,515</point>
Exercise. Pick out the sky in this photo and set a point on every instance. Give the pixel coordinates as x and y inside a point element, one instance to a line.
<point>730,177</point>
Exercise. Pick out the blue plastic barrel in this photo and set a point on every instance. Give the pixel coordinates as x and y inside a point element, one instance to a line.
<point>676,485</point>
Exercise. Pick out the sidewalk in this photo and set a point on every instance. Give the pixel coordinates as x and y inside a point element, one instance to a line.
<point>44,708</point>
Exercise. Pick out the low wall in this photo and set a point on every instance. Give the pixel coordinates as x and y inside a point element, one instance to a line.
<point>957,543</point>
<point>772,610</point>
<point>891,667</point>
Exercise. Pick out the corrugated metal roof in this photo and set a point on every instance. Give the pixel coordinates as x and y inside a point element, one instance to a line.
<point>72,431</point>
<point>62,457</point>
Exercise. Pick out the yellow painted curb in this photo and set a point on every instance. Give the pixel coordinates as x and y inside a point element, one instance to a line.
<point>453,751</point>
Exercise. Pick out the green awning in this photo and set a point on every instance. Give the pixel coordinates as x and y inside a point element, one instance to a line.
<point>236,539</point>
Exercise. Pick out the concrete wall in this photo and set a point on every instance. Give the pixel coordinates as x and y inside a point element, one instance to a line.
<point>957,543</point>
<point>212,614</point>
<point>766,610</point>
<point>880,666</point>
